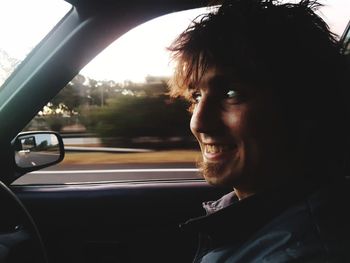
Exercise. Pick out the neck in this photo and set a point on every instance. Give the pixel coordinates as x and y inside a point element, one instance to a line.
<point>242,194</point>
<point>270,183</point>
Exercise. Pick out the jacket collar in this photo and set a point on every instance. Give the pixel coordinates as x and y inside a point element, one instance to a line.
<point>213,206</point>
<point>227,217</point>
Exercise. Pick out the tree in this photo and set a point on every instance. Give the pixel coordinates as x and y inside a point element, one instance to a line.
<point>132,116</point>
<point>71,96</point>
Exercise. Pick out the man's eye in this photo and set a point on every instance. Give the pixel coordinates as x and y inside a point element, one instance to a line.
<point>231,94</point>
<point>196,97</point>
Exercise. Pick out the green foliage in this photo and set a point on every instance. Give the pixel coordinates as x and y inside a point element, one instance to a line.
<point>52,122</point>
<point>55,122</point>
<point>83,91</point>
<point>132,116</point>
<point>114,110</point>
<point>71,96</point>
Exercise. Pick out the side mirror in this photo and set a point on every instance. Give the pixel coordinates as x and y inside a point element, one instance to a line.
<point>37,150</point>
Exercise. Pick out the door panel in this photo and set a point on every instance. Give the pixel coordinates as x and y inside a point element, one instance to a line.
<point>117,222</point>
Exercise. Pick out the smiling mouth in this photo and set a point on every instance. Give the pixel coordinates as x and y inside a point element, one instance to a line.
<point>214,148</point>
<point>218,151</point>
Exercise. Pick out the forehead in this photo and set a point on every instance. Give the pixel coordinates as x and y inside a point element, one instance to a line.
<point>213,76</point>
<point>219,78</point>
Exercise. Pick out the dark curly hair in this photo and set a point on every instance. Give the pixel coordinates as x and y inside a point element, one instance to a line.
<point>285,47</point>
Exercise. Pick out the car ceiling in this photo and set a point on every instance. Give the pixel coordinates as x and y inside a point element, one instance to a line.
<point>153,8</point>
<point>147,4</point>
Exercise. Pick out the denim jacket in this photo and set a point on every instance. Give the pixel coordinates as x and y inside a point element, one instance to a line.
<point>296,223</point>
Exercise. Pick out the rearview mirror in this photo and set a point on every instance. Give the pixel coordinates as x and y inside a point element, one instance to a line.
<point>36,150</point>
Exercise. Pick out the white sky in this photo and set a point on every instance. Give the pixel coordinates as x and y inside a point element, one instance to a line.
<point>24,23</point>
<point>336,13</point>
<point>138,53</point>
<point>141,51</point>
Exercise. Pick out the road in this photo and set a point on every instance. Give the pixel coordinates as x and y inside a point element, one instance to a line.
<point>60,174</point>
<point>30,159</point>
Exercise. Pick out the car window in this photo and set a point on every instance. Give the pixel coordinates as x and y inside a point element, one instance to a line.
<point>347,41</point>
<point>117,122</point>
<point>21,32</point>
<point>116,118</point>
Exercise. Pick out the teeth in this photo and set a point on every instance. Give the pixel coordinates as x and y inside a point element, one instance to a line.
<point>210,148</point>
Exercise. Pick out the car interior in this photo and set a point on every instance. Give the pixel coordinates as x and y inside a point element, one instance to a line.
<point>89,222</point>
<point>115,221</point>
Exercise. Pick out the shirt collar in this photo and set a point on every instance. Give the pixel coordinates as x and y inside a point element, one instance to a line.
<point>213,206</point>
<point>228,217</point>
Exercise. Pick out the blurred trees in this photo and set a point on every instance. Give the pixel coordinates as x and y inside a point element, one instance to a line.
<point>126,117</point>
<point>116,112</point>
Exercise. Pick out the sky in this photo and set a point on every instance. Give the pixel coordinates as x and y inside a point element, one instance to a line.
<point>141,51</point>
<point>138,53</point>
<point>23,23</point>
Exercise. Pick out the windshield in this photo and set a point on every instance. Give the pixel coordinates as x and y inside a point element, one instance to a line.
<point>23,25</point>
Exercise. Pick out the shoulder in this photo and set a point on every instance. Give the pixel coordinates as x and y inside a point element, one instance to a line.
<point>316,229</point>
<point>290,236</point>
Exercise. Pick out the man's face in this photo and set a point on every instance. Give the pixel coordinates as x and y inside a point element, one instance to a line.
<point>240,131</point>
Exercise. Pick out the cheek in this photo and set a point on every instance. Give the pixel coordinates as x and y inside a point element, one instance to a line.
<point>263,130</point>
<point>249,126</point>
<point>193,124</point>
<point>235,121</point>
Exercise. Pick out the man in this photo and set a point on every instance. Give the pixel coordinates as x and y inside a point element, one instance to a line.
<point>269,112</point>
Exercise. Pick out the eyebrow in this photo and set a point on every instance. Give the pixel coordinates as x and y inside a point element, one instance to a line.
<point>215,81</point>
<point>191,86</point>
<point>218,80</point>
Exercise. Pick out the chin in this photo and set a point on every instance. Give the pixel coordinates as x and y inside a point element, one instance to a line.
<point>218,174</point>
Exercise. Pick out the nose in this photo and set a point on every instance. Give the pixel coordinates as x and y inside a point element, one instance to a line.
<point>205,118</point>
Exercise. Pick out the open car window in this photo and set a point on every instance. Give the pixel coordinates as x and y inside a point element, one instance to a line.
<point>116,119</point>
